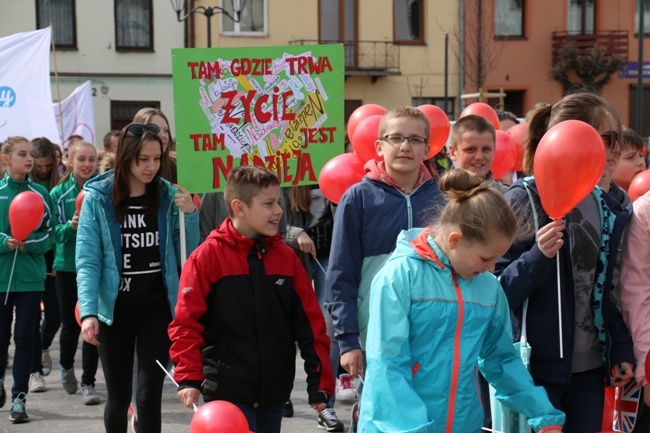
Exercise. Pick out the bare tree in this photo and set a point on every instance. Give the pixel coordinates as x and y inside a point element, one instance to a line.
<point>593,67</point>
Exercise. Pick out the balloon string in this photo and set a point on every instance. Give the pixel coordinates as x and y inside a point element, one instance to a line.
<point>11,275</point>
<point>321,267</point>
<point>173,381</point>
<point>559,304</point>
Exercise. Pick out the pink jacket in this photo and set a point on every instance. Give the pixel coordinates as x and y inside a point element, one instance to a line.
<point>635,282</point>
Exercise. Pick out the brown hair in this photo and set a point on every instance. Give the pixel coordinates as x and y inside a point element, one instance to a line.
<point>245,182</point>
<point>128,151</point>
<point>476,208</point>
<point>8,147</point>
<point>44,148</point>
<point>586,107</point>
<point>400,112</point>
<point>72,151</point>
<point>631,140</point>
<point>144,116</point>
<point>471,123</point>
<point>300,198</point>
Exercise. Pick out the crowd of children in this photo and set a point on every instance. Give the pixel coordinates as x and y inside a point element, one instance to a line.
<point>409,283</point>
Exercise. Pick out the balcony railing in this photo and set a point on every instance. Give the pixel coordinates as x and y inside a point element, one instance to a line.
<point>615,42</point>
<point>372,58</point>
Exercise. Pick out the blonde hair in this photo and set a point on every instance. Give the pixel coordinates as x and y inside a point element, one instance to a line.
<point>72,151</point>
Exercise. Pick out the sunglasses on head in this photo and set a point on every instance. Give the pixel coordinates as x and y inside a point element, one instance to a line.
<point>137,129</point>
<point>610,138</point>
<point>507,115</point>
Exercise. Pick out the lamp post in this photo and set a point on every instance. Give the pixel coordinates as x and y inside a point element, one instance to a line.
<point>208,12</point>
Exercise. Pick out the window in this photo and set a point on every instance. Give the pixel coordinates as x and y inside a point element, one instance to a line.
<point>509,18</point>
<point>438,102</point>
<point>646,18</point>
<point>252,20</point>
<point>122,112</point>
<point>61,14</point>
<point>581,15</point>
<point>408,21</point>
<point>133,25</point>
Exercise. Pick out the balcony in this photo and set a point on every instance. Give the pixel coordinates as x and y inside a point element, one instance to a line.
<point>367,58</point>
<point>615,42</point>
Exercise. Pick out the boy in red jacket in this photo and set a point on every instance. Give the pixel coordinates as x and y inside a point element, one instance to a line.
<point>244,301</point>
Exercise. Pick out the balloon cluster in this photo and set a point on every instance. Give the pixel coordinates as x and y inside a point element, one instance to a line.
<point>343,171</point>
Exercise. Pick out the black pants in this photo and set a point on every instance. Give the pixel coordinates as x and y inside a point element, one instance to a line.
<point>144,330</point>
<point>47,328</point>
<point>642,422</point>
<point>66,290</point>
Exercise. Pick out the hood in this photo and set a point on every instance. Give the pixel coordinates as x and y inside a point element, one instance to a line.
<point>227,233</point>
<point>377,171</point>
<point>418,243</point>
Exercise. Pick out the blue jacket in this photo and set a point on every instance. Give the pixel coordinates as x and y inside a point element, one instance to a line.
<point>99,254</point>
<point>427,340</point>
<point>525,272</point>
<point>368,219</point>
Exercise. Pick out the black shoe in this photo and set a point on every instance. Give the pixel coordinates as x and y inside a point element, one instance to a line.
<point>3,396</point>
<point>288,409</point>
<point>328,420</point>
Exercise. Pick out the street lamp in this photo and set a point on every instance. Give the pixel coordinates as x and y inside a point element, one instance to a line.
<point>208,12</point>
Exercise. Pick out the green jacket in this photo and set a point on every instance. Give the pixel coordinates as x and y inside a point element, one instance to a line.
<point>64,196</point>
<point>29,272</point>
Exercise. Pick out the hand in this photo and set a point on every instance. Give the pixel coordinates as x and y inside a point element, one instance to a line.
<point>183,200</point>
<point>12,243</point>
<point>306,244</point>
<point>352,362</point>
<point>189,397</point>
<point>319,407</point>
<point>74,222</point>
<point>89,330</point>
<point>623,373</point>
<point>549,238</point>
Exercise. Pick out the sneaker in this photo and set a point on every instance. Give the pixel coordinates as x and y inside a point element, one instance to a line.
<point>36,382</point>
<point>133,419</point>
<point>46,360</point>
<point>345,390</point>
<point>328,420</point>
<point>68,380</point>
<point>354,418</point>
<point>3,393</point>
<point>288,409</point>
<point>89,395</point>
<point>17,413</point>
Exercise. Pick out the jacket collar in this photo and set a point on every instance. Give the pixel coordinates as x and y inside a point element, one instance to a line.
<point>377,171</point>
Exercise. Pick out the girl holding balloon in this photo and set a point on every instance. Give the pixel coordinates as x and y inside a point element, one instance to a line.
<point>83,164</point>
<point>25,237</point>
<point>578,339</point>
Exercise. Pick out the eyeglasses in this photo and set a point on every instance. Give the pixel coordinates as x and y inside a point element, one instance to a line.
<point>396,139</point>
<point>137,129</point>
<point>507,115</point>
<point>610,138</point>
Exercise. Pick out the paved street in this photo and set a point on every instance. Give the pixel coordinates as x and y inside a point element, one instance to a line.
<point>55,411</point>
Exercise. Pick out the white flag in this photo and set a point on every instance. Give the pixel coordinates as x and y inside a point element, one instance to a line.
<point>25,93</point>
<point>76,114</point>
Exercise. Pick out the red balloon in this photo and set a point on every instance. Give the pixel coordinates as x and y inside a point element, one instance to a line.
<point>505,152</point>
<point>639,185</point>
<point>364,138</point>
<point>518,133</point>
<point>219,416</point>
<point>569,162</point>
<point>439,122</point>
<point>80,200</point>
<point>77,313</point>
<point>339,174</point>
<point>361,113</point>
<point>483,110</point>
<point>25,214</point>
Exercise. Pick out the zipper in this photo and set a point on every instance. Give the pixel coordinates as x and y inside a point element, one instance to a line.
<point>456,361</point>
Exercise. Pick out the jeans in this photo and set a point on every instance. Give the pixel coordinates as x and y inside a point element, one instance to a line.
<point>262,419</point>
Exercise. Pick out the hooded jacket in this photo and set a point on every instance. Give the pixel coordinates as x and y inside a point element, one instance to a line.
<point>368,219</point>
<point>242,306</point>
<point>429,336</point>
<point>29,270</point>
<point>99,251</point>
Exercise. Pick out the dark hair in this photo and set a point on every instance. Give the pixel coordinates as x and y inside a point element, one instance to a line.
<point>128,151</point>
<point>507,115</point>
<point>586,107</point>
<point>476,208</point>
<point>245,182</point>
<point>44,148</point>
<point>630,139</point>
<point>109,135</point>
<point>471,123</point>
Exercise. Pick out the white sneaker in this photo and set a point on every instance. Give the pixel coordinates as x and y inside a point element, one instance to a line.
<point>46,360</point>
<point>345,390</point>
<point>37,382</point>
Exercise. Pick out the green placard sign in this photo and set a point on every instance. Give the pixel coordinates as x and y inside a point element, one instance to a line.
<point>280,107</point>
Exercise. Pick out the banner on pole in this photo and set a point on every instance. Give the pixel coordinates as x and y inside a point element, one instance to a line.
<point>278,107</point>
<point>76,114</point>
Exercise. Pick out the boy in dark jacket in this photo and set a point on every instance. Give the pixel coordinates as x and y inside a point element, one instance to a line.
<point>244,300</point>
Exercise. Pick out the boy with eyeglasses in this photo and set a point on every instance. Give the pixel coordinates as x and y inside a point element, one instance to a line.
<point>396,194</point>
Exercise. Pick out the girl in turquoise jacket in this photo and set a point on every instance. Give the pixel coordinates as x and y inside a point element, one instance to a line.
<point>83,164</point>
<point>27,270</point>
<point>128,259</point>
<point>439,316</point>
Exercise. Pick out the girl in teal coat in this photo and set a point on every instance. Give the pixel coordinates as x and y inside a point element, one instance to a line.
<point>439,316</point>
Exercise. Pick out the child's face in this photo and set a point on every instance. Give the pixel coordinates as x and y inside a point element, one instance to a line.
<point>262,217</point>
<point>630,163</point>
<point>471,259</point>
<point>474,152</point>
<point>146,165</point>
<point>84,163</point>
<point>21,160</point>
<point>42,168</point>
<point>404,158</point>
<point>164,129</point>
